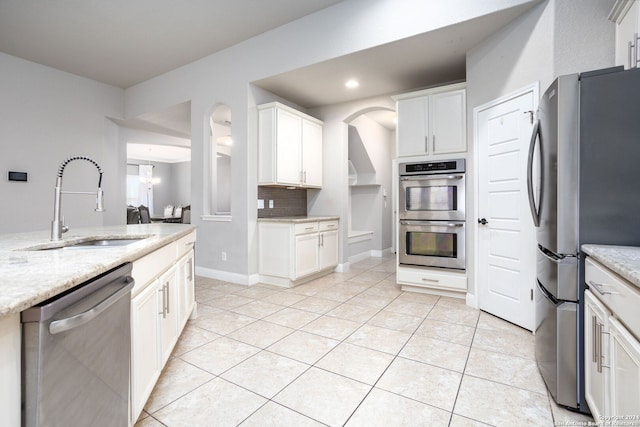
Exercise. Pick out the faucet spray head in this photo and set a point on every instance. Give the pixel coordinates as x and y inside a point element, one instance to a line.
<point>100,201</point>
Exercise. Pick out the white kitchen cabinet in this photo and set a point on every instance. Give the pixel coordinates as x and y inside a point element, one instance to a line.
<point>186,286</point>
<point>293,252</point>
<point>306,255</point>
<point>162,300</point>
<point>289,147</point>
<point>435,281</point>
<point>612,348</point>
<point>624,350</point>
<point>595,326</point>
<point>626,15</point>
<point>328,244</point>
<point>145,341</point>
<point>10,369</point>
<point>432,122</point>
<point>168,309</point>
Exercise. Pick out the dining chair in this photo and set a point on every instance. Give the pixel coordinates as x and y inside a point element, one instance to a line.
<point>145,218</point>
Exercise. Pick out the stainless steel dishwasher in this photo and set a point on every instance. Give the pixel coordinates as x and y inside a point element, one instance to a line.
<point>76,355</point>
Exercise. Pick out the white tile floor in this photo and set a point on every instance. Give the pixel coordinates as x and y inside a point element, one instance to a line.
<point>348,349</point>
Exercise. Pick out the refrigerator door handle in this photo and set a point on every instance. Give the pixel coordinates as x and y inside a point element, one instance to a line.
<point>547,294</point>
<point>555,258</point>
<point>535,210</point>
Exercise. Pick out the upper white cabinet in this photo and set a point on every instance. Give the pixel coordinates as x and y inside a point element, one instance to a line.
<point>626,15</point>
<point>290,147</point>
<point>433,121</point>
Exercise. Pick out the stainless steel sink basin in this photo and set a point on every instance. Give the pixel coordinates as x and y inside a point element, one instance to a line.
<point>102,243</point>
<point>95,243</point>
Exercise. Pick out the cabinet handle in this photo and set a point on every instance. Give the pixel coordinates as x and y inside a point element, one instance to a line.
<point>636,39</point>
<point>426,144</point>
<point>190,276</point>
<point>598,348</point>
<point>424,279</point>
<point>163,312</point>
<point>629,50</point>
<point>322,240</point>
<point>600,288</point>
<point>594,356</point>
<point>304,175</point>
<point>433,147</point>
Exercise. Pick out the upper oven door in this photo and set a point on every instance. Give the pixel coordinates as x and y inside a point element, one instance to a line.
<point>432,197</point>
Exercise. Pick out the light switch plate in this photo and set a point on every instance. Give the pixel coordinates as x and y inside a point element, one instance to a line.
<point>270,204</point>
<point>260,204</point>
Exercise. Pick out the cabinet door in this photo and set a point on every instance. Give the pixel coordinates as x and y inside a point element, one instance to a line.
<point>168,312</point>
<point>624,353</point>
<point>186,288</point>
<point>145,362</point>
<point>595,315</point>
<point>288,148</point>
<point>306,254</point>
<point>413,126</point>
<point>328,249</point>
<point>448,122</point>
<point>311,154</point>
<point>626,28</point>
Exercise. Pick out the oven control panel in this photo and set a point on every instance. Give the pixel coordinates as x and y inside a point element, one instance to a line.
<point>442,166</point>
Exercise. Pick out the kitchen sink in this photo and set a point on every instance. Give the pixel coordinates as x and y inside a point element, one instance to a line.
<point>95,243</point>
<point>101,243</point>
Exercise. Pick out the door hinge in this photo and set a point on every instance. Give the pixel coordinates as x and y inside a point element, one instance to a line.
<point>531,294</point>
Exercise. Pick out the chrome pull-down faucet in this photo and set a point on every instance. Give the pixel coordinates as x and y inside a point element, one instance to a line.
<point>57,225</point>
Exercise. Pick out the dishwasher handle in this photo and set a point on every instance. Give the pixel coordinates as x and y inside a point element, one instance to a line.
<point>72,322</point>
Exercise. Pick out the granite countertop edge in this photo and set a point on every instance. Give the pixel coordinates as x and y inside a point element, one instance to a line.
<point>28,277</point>
<point>298,219</point>
<point>622,260</point>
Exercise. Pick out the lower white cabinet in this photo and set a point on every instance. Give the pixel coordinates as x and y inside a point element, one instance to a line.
<point>436,281</point>
<point>596,375</point>
<point>291,252</point>
<point>624,372</point>
<point>612,349</point>
<point>163,300</point>
<point>145,341</point>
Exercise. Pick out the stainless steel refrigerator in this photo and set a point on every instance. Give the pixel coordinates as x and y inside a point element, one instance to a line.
<point>584,187</point>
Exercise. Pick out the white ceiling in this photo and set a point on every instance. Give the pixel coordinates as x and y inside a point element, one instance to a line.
<point>124,42</point>
<point>158,153</point>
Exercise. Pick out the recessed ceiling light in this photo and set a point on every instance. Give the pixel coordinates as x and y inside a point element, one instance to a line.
<point>352,83</point>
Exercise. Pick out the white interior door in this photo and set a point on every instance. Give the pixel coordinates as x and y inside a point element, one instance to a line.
<point>506,242</point>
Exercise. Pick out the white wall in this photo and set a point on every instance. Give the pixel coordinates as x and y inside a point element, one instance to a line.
<point>554,38</point>
<point>47,116</point>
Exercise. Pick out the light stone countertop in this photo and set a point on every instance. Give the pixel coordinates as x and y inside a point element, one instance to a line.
<point>623,260</point>
<point>28,277</point>
<point>298,219</point>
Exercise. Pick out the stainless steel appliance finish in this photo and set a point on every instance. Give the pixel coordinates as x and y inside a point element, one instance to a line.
<point>583,177</point>
<point>432,190</point>
<point>432,243</point>
<point>432,214</point>
<point>76,355</point>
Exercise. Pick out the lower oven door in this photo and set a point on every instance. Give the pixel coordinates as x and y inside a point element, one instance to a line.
<point>432,243</point>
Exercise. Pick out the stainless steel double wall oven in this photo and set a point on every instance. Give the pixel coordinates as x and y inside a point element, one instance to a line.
<point>432,214</point>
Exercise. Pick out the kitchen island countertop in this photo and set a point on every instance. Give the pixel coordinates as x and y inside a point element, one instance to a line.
<point>623,260</point>
<point>28,277</point>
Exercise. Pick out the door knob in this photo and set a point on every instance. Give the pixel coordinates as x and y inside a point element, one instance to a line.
<point>482,221</point>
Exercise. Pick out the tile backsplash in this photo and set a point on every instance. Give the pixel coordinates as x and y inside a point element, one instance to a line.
<point>286,202</point>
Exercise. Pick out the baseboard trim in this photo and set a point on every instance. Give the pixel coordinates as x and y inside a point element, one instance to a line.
<point>240,279</point>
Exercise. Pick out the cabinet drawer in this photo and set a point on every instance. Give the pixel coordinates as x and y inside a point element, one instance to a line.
<point>306,227</point>
<point>431,279</point>
<point>328,225</point>
<point>620,297</point>
<point>151,266</point>
<point>185,244</point>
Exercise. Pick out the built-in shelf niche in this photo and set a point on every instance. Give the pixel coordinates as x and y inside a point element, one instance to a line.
<point>361,169</point>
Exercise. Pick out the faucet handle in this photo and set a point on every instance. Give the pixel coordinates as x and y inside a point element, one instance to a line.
<point>64,228</point>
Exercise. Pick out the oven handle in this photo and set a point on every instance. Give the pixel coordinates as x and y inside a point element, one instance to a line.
<point>438,223</point>
<point>424,177</point>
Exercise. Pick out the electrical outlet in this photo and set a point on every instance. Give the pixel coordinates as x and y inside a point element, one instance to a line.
<point>270,204</point>
<point>223,256</point>
<point>260,204</point>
